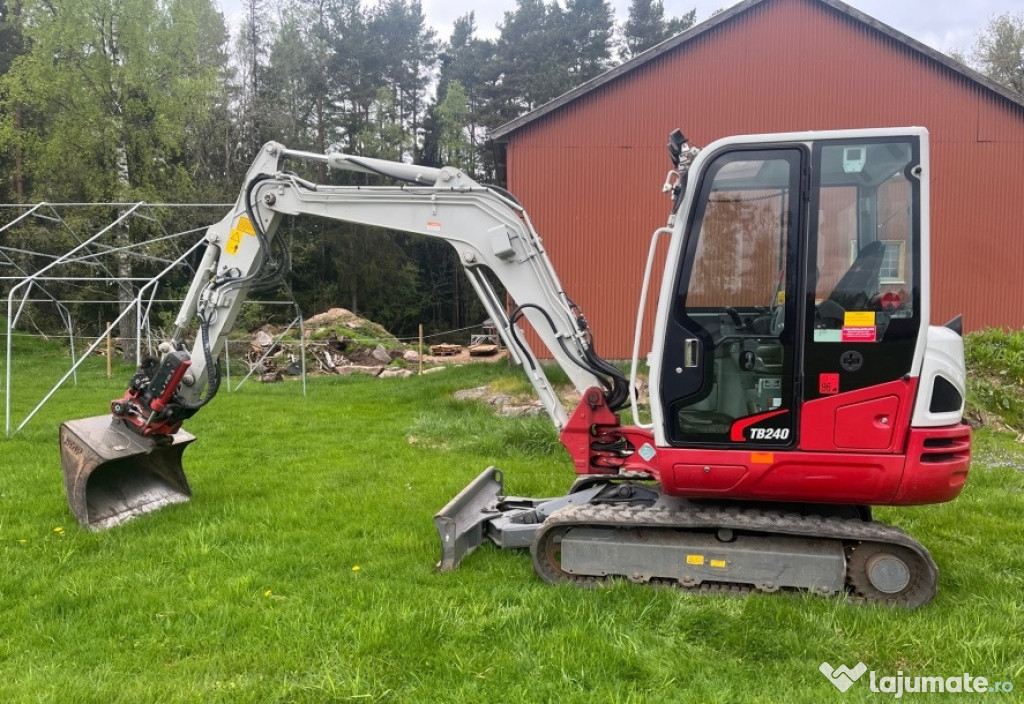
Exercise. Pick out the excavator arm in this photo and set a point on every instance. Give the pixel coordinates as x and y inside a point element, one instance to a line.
<point>490,231</point>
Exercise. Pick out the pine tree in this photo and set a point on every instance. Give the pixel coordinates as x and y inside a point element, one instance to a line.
<point>588,28</point>
<point>529,60</point>
<point>468,61</point>
<point>646,26</point>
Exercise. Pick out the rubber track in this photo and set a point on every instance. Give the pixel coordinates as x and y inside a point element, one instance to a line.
<point>709,517</point>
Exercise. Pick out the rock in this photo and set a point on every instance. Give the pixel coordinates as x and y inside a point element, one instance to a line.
<point>504,404</point>
<point>470,394</point>
<point>381,355</point>
<point>358,369</point>
<point>264,338</point>
<point>433,370</point>
<point>391,373</point>
<point>411,356</point>
<point>271,378</point>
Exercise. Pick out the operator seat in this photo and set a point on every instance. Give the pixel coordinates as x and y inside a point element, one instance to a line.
<point>860,282</point>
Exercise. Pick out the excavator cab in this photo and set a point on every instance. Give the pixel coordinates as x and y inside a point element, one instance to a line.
<point>798,264</point>
<point>794,384</point>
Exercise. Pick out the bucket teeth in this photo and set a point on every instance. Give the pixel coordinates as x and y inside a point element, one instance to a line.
<point>112,474</point>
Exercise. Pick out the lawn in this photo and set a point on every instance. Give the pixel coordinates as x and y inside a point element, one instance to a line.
<point>302,571</point>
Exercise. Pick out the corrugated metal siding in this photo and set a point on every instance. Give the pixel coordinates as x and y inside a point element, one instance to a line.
<point>590,174</point>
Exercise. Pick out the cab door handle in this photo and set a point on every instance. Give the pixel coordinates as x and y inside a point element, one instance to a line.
<point>690,353</point>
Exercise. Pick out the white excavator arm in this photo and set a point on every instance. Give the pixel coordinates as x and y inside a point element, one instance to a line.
<point>486,226</point>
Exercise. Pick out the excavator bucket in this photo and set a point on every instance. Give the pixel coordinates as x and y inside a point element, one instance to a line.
<point>112,474</point>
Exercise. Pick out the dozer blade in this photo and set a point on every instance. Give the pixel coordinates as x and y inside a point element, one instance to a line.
<point>112,474</point>
<point>460,524</point>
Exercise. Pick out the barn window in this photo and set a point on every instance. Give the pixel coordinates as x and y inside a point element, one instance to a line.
<point>892,270</point>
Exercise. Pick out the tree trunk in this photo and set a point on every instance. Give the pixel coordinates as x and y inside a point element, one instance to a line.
<point>19,161</point>
<point>122,238</point>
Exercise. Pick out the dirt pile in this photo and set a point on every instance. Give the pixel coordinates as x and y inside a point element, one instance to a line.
<point>336,341</point>
<point>340,342</point>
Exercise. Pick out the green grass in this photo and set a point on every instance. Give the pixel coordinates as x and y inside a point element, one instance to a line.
<point>995,392</point>
<point>250,593</point>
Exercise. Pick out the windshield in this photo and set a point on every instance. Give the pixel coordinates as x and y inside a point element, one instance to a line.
<point>865,232</point>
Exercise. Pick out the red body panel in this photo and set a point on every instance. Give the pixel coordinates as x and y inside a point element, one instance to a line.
<point>938,460</point>
<point>855,448</point>
<point>858,421</point>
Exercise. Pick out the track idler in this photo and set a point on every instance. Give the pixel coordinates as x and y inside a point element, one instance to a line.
<point>112,474</point>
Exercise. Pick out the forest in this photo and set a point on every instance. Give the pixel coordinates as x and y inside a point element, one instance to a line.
<point>120,101</point>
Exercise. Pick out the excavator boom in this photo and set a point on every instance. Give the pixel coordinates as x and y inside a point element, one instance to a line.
<point>130,461</point>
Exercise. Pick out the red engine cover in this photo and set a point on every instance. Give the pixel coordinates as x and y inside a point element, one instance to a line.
<point>854,448</point>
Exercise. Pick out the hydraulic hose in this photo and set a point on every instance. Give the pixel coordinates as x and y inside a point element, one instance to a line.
<point>615,383</point>
<point>213,375</point>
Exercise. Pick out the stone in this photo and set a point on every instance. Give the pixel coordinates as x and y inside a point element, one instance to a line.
<point>358,369</point>
<point>381,355</point>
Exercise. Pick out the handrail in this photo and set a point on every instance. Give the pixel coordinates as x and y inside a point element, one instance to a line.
<point>648,269</point>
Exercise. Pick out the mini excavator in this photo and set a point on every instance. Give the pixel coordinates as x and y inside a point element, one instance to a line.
<point>795,381</point>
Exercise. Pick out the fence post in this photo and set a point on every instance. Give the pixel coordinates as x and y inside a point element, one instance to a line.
<point>421,350</point>
<point>110,352</point>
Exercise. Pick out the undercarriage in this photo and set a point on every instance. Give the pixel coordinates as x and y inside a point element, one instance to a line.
<point>609,528</point>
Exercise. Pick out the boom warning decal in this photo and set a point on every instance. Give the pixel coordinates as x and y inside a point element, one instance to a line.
<point>242,227</point>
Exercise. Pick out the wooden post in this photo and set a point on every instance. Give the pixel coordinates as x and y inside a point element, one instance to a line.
<point>110,352</point>
<point>421,349</point>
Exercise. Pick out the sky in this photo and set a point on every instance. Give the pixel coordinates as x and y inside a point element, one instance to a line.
<point>945,25</point>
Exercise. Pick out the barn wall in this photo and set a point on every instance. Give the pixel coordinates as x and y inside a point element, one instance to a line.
<point>590,173</point>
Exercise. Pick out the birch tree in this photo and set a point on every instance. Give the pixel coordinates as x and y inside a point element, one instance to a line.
<point>111,90</point>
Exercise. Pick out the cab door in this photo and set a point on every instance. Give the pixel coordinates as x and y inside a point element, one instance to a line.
<point>731,346</point>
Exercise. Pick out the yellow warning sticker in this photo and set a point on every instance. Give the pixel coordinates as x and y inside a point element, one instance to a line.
<point>695,559</point>
<point>242,227</point>
<point>780,298</point>
<point>717,563</point>
<point>859,319</point>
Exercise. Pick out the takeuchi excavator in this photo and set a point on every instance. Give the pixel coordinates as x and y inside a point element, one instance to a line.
<point>795,381</point>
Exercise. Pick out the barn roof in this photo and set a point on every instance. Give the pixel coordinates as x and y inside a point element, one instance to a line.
<point>940,61</point>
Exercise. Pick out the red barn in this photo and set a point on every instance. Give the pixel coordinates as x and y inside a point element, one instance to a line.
<point>589,166</point>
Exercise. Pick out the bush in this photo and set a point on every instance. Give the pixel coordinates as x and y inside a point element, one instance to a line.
<point>995,376</point>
